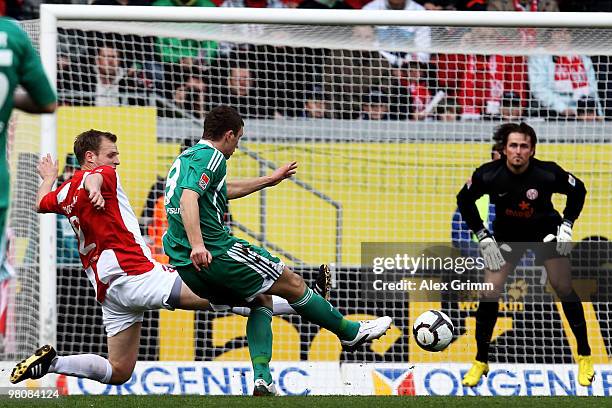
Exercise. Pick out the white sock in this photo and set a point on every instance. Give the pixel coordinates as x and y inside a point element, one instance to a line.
<point>89,366</point>
<point>279,307</point>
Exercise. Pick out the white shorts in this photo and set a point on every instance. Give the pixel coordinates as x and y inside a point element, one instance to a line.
<point>129,296</point>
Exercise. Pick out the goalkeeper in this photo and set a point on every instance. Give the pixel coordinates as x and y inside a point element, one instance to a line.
<point>521,188</point>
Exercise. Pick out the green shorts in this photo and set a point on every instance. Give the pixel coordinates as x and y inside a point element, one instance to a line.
<point>238,275</point>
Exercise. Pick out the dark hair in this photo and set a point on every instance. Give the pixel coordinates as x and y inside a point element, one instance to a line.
<point>220,120</point>
<point>497,147</point>
<point>90,141</point>
<point>501,133</point>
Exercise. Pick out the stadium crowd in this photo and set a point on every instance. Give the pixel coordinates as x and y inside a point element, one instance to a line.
<point>187,77</point>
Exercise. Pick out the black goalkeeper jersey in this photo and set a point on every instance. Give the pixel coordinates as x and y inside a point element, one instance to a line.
<point>523,207</point>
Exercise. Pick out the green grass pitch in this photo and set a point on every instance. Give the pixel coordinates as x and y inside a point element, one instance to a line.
<point>310,402</point>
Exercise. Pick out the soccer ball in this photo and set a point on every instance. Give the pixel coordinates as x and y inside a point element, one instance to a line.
<point>433,330</point>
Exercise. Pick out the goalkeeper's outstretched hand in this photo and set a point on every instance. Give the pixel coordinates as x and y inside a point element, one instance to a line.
<point>491,254</point>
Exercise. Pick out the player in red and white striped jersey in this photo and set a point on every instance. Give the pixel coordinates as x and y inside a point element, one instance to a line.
<point>116,259</point>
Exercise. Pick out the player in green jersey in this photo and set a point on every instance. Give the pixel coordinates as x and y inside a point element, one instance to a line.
<point>225,269</point>
<point>19,65</point>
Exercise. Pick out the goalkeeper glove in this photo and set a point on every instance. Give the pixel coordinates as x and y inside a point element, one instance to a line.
<point>493,258</point>
<point>564,237</point>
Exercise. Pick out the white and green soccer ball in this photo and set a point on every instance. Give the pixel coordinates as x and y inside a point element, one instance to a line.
<point>433,330</point>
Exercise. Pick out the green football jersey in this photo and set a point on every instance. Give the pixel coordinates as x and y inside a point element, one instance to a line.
<point>19,65</point>
<point>202,169</point>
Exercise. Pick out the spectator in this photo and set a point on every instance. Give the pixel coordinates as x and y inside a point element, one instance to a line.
<point>418,37</point>
<point>447,110</point>
<point>527,35</point>
<point>471,5</point>
<point>479,81</point>
<point>601,63</point>
<point>558,82</point>
<point>522,5</point>
<point>322,4</point>
<point>190,94</point>
<point>177,51</point>
<point>587,110</point>
<point>349,74</point>
<point>511,109</point>
<point>111,77</point>
<point>316,105</point>
<point>154,221</point>
<point>233,83</point>
<point>100,80</point>
<point>375,105</point>
<point>420,95</point>
<point>280,79</point>
<point>438,5</point>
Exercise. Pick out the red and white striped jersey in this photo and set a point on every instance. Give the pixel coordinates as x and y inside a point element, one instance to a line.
<point>110,242</point>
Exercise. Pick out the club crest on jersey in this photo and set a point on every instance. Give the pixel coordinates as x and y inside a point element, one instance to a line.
<point>571,180</point>
<point>204,179</point>
<point>532,194</point>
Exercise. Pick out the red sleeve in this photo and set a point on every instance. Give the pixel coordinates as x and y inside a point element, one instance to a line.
<point>109,179</point>
<point>49,203</point>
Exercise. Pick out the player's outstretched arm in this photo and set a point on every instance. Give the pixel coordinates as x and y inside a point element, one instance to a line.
<point>47,169</point>
<point>244,187</point>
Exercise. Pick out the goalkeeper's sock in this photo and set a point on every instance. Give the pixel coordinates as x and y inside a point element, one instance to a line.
<point>317,310</point>
<point>89,366</point>
<point>259,336</point>
<point>486,317</point>
<point>572,307</point>
<point>279,307</point>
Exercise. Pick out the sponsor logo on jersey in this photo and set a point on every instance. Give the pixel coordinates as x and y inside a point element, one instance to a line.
<point>525,212</point>
<point>532,194</point>
<point>204,179</point>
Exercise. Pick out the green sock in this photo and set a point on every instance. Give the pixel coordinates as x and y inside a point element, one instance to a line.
<point>259,336</point>
<point>315,309</point>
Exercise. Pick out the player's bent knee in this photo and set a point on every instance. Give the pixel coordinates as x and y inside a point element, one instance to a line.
<point>296,283</point>
<point>263,300</point>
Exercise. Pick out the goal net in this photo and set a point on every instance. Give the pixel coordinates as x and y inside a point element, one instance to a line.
<point>387,123</point>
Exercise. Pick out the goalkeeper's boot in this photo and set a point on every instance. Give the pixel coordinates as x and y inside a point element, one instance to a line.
<point>35,366</point>
<point>586,372</point>
<point>368,330</point>
<point>322,284</point>
<point>263,389</point>
<point>472,377</point>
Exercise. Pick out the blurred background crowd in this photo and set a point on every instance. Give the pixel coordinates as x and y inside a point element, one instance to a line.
<point>186,77</point>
